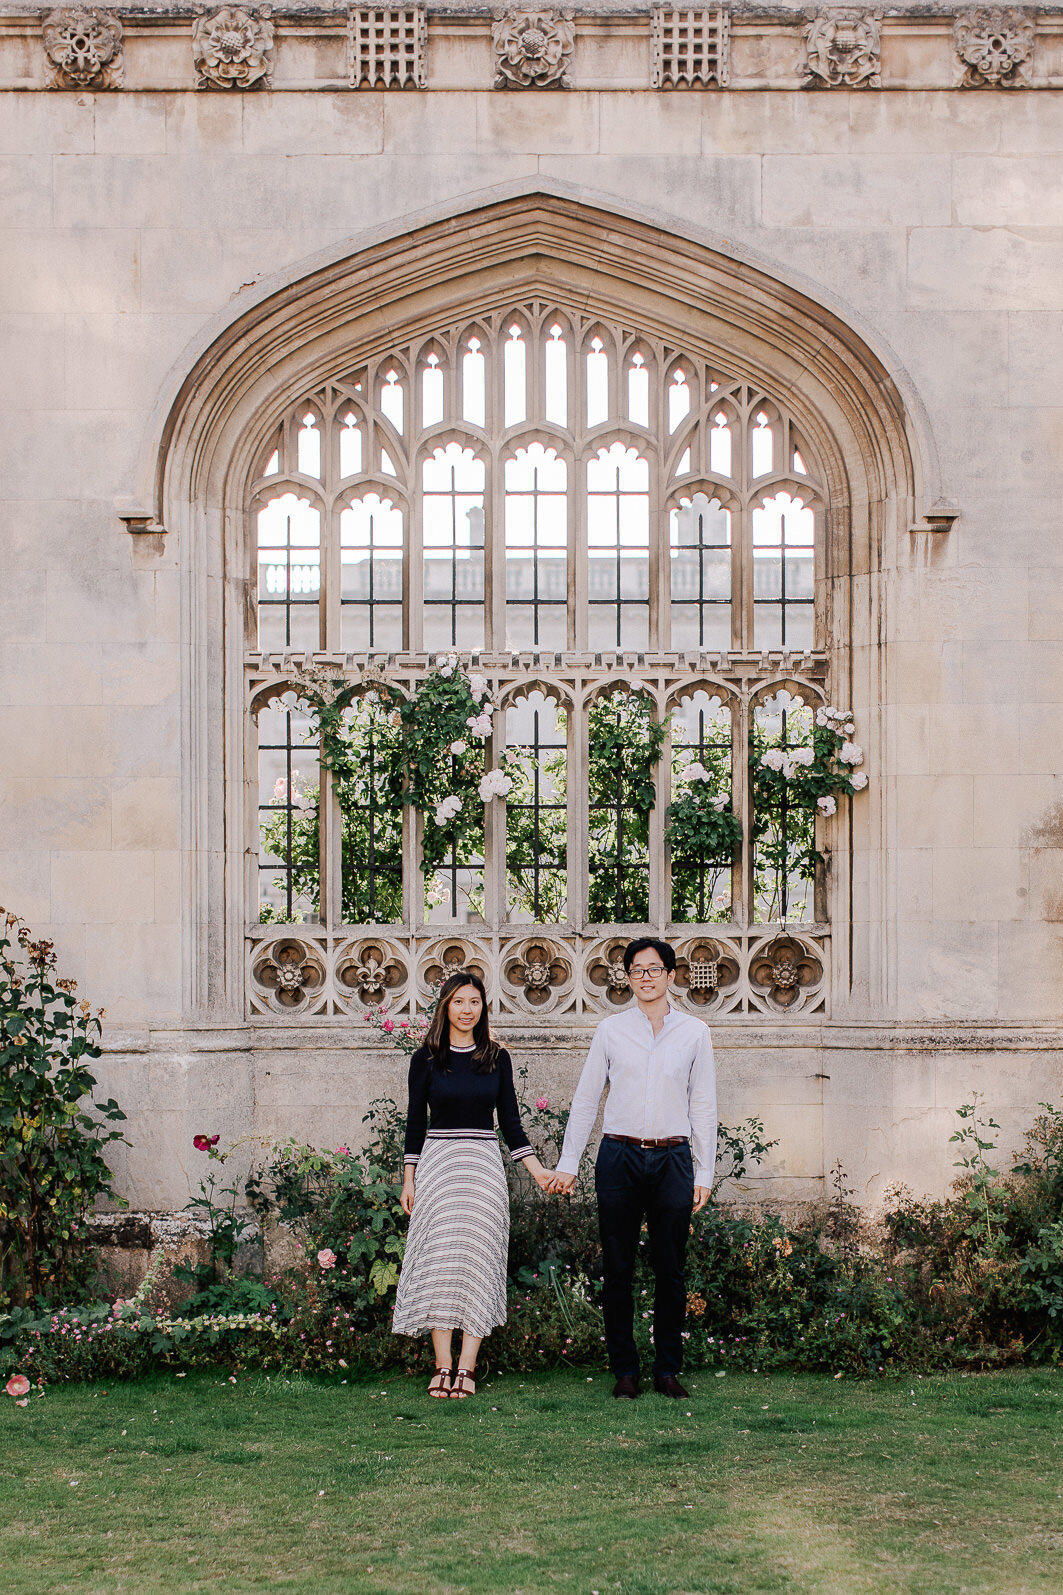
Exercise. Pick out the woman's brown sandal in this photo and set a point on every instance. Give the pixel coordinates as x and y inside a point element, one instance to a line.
<point>464,1385</point>
<point>439,1384</point>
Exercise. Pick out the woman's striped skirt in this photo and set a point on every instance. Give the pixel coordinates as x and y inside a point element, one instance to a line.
<point>454,1270</point>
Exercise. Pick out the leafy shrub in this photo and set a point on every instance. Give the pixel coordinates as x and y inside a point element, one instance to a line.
<point>52,1133</point>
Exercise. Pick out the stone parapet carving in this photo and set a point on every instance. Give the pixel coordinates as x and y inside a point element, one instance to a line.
<point>843,49</point>
<point>233,48</point>
<point>690,48</point>
<point>387,47</point>
<point>994,47</point>
<point>83,46</point>
<point>533,48</point>
<point>306,972</point>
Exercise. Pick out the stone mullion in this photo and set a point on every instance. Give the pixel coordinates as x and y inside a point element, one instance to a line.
<point>576,838</point>
<point>741,802</point>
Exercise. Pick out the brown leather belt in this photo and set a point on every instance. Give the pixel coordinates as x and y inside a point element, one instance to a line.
<point>633,1140</point>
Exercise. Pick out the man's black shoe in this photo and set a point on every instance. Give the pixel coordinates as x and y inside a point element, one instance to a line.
<point>626,1387</point>
<point>666,1384</point>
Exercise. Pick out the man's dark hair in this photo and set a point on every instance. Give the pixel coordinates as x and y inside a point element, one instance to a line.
<point>641,944</point>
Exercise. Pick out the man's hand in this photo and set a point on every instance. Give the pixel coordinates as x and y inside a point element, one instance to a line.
<point>701,1196</point>
<point>561,1184</point>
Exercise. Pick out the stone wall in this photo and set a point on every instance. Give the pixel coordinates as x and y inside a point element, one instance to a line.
<point>139,223</point>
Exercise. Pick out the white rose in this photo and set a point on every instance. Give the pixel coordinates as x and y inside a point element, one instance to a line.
<point>478,686</point>
<point>458,748</point>
<point>802,756</point>
<point>826,805</point>
<point>719,802</point>
<point>859,781</point>
<point>851,754</point>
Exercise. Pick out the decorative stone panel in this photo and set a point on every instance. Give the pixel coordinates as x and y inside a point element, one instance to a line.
<point>387,47</point>
<point>372,971</point>
<point>787,972</point>
<point>83,48</point>
<point>689,47</point>
<point>843,49</point>
<point>305,971</point>
<point>536,974</point>
<point>233,48</point>
<point>994,47</point>
<point>533,49</point>
<point>287,976</point>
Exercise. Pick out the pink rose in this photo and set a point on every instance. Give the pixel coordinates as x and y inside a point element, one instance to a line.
<point>388,1026</point>
<point>542,1103</point>
<point>203,1143</point>
<point>17,1385</point>
<point>326,1258</point>
<point>341,1151</point>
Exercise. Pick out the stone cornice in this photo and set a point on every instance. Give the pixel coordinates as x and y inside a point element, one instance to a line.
<point>767,48</point>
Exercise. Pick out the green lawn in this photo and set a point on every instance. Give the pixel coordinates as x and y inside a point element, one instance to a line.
<point>755,1485</point>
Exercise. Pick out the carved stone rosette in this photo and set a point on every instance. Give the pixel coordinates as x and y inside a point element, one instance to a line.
<point>536,973</point>
<point>994,47</point>
<point>287,975</point>
<point>83,48</point>
<point>233,48</point>
<point>372,971</point>
<point>843,49</point>
<point>605,973</point>
<point>707,971</point>
<point>446,957</point>
<point>533,49</point>
<point>787,972</point>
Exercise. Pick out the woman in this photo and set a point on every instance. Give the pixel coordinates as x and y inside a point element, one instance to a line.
<point>454,1271</point>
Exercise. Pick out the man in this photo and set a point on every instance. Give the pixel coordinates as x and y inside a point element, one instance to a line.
<point>656,1159</point>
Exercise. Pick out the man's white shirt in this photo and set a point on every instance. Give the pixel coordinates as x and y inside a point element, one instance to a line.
<point>659,1085</point>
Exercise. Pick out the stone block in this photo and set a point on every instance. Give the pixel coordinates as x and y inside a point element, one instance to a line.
<point>57,812</point>
<point>205,122</point>
<point>86,267</point>
<point>146,812</point>
<point>913,123</point>
<point>934,810</point>
<point>98,607</point>
<point>756,123</point>
<point>168,190</point>
<point>50,673</point>
<point>1008,191</point>
<point>25,885</point>
<point>119,362</point>
<point>631,124</point>
<point>979,884</point>
<point>708,192</point>
<point>45,124</point>
<point>975,738</point>
<point>1035,358</point>
<point>846,190</point>
<point>33,369</point>
<point>991,268</point>
<point>134,970</point>
<point>142,674</point>
<point>130,124</point>
<point>538,122</point>
<point>26,184</point>
<point>314,124</point>
<point>947,971</point>
<point>22,608</point>
<point>444,123</point>
<point>103,888</point>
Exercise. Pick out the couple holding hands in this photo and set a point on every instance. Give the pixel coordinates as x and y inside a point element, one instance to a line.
<point>654,1165</point>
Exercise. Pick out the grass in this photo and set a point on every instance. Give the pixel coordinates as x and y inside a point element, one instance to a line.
<point>755,1486</point>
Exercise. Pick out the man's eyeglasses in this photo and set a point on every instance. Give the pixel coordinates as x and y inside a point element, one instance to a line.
<point>646,972</point>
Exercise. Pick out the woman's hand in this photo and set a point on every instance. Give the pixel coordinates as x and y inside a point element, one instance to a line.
<point>407,1190</point>
<point>542,1177</point>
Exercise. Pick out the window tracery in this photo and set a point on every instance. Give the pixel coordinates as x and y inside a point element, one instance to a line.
<point>628,542</point>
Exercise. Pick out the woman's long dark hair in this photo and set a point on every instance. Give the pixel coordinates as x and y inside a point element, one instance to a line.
<point>485,1050</point>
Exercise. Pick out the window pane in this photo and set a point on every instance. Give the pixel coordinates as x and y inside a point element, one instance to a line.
<point>618,823</point>
<point>618,543</point>
<point>392,401</point>
<point>371,552</point>
<point>452,530</point>
<point>784,862</point>
<point>350,447</point>
<point>371,816</point>
<point>783,573</point>
<point>309,446</point>
<point>515,376</point>
<point>555,357</point>
<point>701,776</point>
<point>700,548</point>
<point>289,574</point>
<point>678,399</point>
<point>638,391</point>
<point>597,383</point>
<point>288,844</point>
<point>536,811</point>
<point>431,392</point>
<point>474,384</point>
<point>536,548</point>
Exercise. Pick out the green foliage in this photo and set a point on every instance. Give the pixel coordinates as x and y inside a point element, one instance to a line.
<point>225,1228</point>
<point>537,837</point>
<point>52,1132</point>
<point>624,748</point>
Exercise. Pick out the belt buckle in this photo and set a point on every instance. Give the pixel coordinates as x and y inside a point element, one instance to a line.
<point>647,1146</point>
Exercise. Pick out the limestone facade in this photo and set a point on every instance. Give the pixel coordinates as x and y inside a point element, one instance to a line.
<point>206,214</point>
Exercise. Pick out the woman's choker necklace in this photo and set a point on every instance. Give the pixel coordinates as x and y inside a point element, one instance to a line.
<point>470,1048</point>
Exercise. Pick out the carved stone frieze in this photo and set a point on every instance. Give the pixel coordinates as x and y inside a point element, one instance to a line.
<point>786,971</point>
<point>707,970</point>
<point>387,46</point>
<point>689,48</point>
<point>83,48</point>
<point>843,49</point>
<point>605,971</point>
<point>994,46</point>
<point>371,970</point>
<point>533,48</point>
<point>287,974</point>
<point>536,972</point>
<point>447,957</point>
<point>233,48</point>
